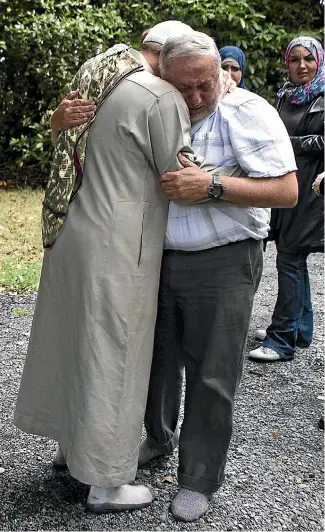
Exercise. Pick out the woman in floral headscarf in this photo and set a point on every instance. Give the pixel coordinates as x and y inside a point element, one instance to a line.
<point>298,231</point>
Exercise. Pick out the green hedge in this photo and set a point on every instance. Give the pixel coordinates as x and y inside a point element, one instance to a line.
<point>43,43</point>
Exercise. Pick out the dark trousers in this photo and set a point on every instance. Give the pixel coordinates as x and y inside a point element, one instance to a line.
<point>292,320</point>
<point>204,309</point>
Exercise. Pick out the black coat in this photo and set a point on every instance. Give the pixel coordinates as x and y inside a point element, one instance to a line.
<point>301,229</point>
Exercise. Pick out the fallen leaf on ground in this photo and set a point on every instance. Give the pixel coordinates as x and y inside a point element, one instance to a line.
<point>169,478</point>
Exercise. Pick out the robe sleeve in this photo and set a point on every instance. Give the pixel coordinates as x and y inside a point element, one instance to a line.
<point>169,132</point>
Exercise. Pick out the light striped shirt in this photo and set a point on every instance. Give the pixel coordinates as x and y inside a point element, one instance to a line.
<point>244,130</point>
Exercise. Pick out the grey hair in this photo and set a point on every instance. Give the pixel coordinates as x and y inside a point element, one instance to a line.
<point>191,44</point>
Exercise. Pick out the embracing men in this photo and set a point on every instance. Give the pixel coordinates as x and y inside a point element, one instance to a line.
<point>211,267</point>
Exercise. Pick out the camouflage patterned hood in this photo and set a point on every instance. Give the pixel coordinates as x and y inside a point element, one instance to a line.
<point>96,79</point>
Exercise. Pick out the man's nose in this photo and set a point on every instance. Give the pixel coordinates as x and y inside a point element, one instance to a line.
<point>195,99</point>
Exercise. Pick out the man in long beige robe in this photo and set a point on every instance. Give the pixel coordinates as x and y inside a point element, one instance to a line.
<point>87,369</point>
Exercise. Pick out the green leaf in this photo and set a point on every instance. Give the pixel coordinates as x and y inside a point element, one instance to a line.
<point>44,42</point>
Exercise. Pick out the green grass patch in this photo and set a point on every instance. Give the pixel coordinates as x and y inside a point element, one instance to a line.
<point>19,275</point>
<point>21,250</point>
<point>19,312</point>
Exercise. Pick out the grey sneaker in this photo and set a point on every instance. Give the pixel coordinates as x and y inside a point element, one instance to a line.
<point>189,505</point>
<point>147,453</point>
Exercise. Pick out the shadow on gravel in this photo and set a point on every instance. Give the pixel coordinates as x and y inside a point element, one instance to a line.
<point>42,493</point>
<point>275,469</point>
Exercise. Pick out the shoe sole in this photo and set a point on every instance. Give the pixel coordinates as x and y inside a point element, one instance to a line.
<point>108,508</point>
<point>268,361</point>
<point>303,346</point>
<point>184,520</point>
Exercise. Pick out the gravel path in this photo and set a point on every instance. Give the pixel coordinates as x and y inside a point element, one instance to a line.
<point>274,476</point>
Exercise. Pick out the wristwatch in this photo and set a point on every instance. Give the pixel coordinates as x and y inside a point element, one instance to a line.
<point>216,190</point>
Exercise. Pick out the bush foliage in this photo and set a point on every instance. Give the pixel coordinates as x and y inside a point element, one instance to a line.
<point>43,43</point>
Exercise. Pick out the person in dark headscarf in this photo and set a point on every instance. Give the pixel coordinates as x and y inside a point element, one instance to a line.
<point>299,231</point>
<point>234,61</point>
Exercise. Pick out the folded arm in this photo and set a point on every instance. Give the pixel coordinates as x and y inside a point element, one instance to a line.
<point>190,185</point>
<point>262,148</point>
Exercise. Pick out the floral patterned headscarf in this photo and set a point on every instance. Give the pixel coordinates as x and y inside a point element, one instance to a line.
<point>300,94</point>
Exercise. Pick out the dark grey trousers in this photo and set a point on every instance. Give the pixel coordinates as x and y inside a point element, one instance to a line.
<point>204,309</point>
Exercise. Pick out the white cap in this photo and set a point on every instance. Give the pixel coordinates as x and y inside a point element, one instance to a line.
<point>162,31</point>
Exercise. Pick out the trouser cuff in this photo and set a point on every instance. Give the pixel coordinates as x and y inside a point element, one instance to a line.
<point>167,447</point>
<point>268,343</point>
<point>198,484</point>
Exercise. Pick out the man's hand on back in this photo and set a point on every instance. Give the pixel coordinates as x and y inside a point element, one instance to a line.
<point>71,112</point>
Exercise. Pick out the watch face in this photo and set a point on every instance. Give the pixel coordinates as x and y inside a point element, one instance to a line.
<point>215,191</point>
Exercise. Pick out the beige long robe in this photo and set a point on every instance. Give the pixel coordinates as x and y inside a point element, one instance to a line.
<point>88,363</point>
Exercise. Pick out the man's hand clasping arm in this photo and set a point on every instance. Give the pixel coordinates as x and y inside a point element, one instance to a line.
<point>190,185</point>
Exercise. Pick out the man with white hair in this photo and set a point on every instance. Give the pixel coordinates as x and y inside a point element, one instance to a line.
<point>211,266</point>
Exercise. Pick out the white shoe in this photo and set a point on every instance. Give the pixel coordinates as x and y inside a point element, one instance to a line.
<point>264,354</point>
<point>120,499</point>
<point>260,334</point>
<point>58,459</point>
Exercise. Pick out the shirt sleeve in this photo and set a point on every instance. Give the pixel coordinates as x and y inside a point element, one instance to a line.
<point>260,140</point>
<point>168,127</point>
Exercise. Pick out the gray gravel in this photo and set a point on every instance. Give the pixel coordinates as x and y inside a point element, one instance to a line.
<point>274,476</point>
